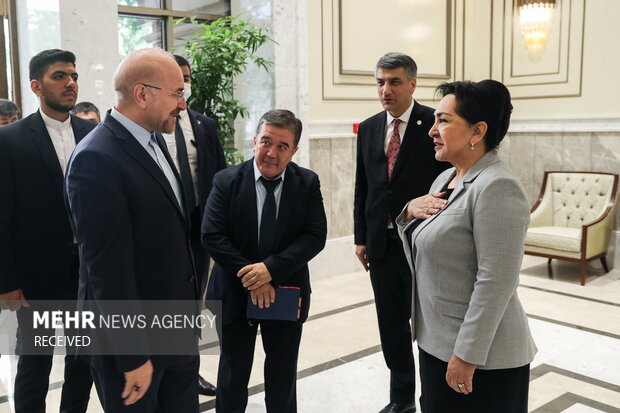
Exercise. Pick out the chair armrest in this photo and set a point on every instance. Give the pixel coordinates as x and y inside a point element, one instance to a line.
<point>542,213</point>
<point>597,233</point>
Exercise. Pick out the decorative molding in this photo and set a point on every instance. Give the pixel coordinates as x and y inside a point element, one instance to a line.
<point>344,128</point>
<point>368,72</point>
<point>330,129</point>
<point>565,124</point>
<point>357,85</point>
<point>540,81</point>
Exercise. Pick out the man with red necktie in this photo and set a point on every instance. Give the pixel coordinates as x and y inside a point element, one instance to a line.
<point>395,163</point>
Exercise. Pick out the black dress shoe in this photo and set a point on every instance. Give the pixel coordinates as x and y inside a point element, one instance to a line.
<point>205,388</point>
<point>399,408</point>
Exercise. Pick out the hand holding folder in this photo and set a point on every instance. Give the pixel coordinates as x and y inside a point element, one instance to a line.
<point>286,306</point>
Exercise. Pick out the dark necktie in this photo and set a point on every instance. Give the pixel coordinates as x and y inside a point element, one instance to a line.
<point>393,148</point>
<point>165,167</point>
<point>184,169</point>
<point>268,220</point>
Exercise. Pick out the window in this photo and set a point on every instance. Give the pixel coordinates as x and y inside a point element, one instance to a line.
<point>149,23</point>
<point>9,62</point>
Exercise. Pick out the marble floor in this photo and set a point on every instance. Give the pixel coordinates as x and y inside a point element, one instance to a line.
<point>341,369</point>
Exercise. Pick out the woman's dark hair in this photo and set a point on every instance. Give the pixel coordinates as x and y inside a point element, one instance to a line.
<point>487,101</point>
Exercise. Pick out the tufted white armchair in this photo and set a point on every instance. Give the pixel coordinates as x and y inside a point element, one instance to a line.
<point>573,218</point>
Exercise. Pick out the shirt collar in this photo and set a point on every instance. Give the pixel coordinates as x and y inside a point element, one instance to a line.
<point>257,173</point>
<point>404,117</point>
<point>142,135</point>
<point>53,123</point>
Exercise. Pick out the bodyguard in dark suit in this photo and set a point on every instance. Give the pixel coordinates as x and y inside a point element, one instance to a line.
<point>395,163</point>
<point>131,222</point>
<point>263,222</point>
<point>38,258</point>
<point>197,153</point>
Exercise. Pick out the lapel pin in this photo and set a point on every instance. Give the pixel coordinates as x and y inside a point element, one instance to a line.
<point>199,122</point>
<point>419,122</point>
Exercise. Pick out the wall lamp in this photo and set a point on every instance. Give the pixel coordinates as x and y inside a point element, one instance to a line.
<point>535,19</point>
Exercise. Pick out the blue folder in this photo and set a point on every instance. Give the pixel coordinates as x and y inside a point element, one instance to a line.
<point>286,306</point>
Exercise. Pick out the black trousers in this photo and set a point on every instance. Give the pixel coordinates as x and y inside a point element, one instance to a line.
<point>201,257</point>
<point>32,382</point>
<point>503,390</point>
<point>391,283</point>
<point>174,388</point>
<point>281,344</point>
<point>32,378</point>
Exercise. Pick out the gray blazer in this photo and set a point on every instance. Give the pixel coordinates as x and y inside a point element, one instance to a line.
<point>465,263</point>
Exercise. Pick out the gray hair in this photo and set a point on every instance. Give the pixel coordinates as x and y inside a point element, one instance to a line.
<point>8,108</point>
<point>394,60</point>
<point>281,118</point>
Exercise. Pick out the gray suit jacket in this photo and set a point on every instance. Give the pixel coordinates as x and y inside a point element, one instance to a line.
<point>465,263</point>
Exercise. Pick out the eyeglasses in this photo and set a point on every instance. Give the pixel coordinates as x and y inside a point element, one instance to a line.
<point>179,95</point>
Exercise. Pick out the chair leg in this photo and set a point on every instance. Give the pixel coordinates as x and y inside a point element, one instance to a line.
<point>549,270</point>
<point>604,262</point>
<point>583,270</point>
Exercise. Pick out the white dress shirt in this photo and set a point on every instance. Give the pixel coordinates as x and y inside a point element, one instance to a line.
<point>62,137</point>
<point>261,192</point>
<point>192,150</point>
<point>144,137</point>
<point>404,119</point>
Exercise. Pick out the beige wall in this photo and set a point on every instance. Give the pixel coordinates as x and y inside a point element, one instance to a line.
<point>457,40</point>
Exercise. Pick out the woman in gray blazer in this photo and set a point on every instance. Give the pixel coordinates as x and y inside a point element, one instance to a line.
<point>464,244</point>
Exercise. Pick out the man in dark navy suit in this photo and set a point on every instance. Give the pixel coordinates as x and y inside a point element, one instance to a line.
<point>263,222</point>
<point>131,220</point>
<point>38,256</point>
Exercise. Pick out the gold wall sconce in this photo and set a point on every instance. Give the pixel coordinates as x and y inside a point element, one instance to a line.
<point>535,18</point>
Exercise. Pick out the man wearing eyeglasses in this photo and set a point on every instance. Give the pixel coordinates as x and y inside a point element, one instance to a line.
<point>131,220</point>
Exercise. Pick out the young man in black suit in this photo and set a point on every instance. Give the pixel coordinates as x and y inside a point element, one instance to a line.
<point>131,221</point>
<point>263,222</point>
<point>38,255</point>
<point>197,153</point>
<point>395,163</point>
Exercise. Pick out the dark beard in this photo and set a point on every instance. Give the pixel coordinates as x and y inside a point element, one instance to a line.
<point>54,103</point>
<point>60,108</point>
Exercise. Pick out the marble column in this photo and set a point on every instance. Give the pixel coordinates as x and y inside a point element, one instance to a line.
<point>38,28</point>
<point>90,30</point>
<point>286,84</point>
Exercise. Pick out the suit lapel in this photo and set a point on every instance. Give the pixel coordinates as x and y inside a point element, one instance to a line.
<point>435,188</point>
<point>287,199</point>
<point>247,203</point>
<point>182,208</point>
<point>78,131</point>
<point>200,139</point>
<point>136,151</point>
<point>43,142</point>
<point>378,146</point>
<point>488,159</point>
<point>413,132</point>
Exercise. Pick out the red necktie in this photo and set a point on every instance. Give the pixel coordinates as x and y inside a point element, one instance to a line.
<point>393,148</point>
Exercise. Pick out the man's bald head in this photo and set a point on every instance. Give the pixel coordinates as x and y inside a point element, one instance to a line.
<point>141,66</point>
<point>149,88</point>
